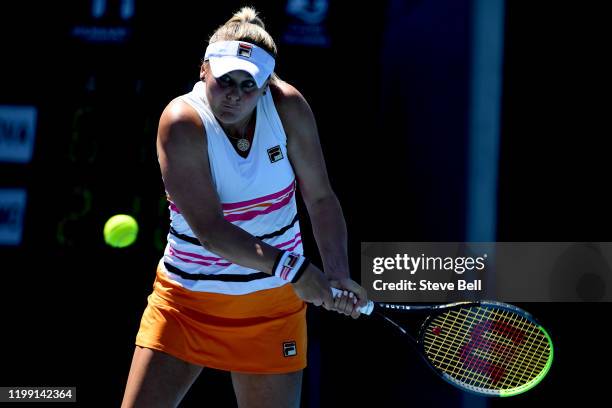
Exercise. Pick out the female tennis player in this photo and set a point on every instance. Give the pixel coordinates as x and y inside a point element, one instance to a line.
<point>231,288</point>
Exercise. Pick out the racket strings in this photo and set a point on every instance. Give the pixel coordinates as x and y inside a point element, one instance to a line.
<point>486,347</point>
<point>497,352</point>
<point>480,350</point>
<point>474,364</point>
<point>489,352</point>
<point>481,368</point>
<point>531,355</point>
<point>447,350</point>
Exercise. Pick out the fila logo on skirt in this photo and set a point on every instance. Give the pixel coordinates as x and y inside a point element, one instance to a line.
<point>289,349</point>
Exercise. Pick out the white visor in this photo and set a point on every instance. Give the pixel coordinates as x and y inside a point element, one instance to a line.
<point>227,56</point>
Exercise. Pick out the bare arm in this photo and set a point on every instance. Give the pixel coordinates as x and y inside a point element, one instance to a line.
<point>328,224</point>
<point>327,219</point>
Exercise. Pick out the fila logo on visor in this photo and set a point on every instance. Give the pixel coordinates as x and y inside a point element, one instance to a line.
<point>244,50</point>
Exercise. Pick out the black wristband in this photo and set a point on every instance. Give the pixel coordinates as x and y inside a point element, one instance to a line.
<point>300,271</point>
<point>278,258</point>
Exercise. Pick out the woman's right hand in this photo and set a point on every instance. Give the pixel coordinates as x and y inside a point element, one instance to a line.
<point>313,287</point>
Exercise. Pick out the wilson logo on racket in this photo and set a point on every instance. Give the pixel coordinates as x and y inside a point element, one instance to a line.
<point>475,353</point>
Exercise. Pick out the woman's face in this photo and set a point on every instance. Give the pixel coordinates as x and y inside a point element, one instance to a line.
<point>233,96</point>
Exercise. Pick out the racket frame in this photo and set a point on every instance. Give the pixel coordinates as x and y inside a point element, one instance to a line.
<point>435,310</point>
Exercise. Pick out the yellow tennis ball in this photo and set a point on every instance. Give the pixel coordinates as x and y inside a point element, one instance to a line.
<point>120,231</point>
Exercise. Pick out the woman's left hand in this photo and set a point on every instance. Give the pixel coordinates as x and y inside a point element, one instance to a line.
<point>353,297</point>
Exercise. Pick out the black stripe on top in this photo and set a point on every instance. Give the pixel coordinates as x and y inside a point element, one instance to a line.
<point>184,237</point>
<point>280,231</point>
<point>276,233</point>
<point>224,277</point>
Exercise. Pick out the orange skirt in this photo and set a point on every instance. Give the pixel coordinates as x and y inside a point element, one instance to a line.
<point>262,332</point>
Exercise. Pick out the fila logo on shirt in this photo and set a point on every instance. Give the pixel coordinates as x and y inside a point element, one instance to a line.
<point>275,154</point>
<point>289,349</point>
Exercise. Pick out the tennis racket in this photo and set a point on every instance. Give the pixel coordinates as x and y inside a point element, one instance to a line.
<point>483,347</point>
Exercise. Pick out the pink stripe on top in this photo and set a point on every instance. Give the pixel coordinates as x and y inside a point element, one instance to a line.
<point>292,240</point>
<point>174,208</point>
<point>186,260</point>
<point>231,206</point>
<point>191,254</point>
<point>298,242</point>
<point>249,215</point>
<point>260,200</point>
<point>213,261</point>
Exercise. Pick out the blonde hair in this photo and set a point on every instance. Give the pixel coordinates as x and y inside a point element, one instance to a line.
<point>245,25</point>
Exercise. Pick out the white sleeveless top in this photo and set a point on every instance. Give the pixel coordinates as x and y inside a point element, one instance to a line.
<point>257,194</point>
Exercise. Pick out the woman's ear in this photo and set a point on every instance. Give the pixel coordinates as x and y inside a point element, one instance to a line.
<point>203,72</point>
